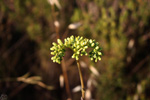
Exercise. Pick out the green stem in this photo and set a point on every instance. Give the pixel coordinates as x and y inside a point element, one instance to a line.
<point>81,80</point>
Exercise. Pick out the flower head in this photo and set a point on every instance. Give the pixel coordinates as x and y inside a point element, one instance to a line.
<point>79,45</point>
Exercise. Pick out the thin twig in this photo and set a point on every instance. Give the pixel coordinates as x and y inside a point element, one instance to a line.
<point>139,65</point>
<point>63,62</point>
<point>66,78</point>
<point>14,47</point>
<point>17,90</point>
<point>66,33</point>
<point>29,80</point>
<point>54,18</point>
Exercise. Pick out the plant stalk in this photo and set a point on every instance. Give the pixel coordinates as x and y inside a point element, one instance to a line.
<point>66,78</point>
<point>81,80</point>
<point>63,67</point>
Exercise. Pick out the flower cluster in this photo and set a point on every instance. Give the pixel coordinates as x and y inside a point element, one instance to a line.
<point>79,45</point>
<point>58,50</point>
<point>95,53</point>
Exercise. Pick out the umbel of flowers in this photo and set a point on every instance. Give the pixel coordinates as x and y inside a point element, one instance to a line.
<point>79,45</point>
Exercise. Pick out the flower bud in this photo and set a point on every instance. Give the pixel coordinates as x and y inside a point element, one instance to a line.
<point>99,58</point>
<point>78,46</point>
<point>77,58</point>
<point>97,48</point>
<point>95,60</point>
<point>51,48</point>
<point>86,54</point>
<point>78,52</point>
<point>94,56</point>
<point>73,56</point>
<point>52,53</point>
<point>59,41</point>
<point>90,40</point>
<point>92,45</point>
<point>54,43</point>
<point>99,53</point>
<point>85,47</point>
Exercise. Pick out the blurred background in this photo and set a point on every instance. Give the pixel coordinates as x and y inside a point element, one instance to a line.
<point>28,28</point>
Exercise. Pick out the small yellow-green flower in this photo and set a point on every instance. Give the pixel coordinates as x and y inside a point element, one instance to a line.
<point>79,45</point>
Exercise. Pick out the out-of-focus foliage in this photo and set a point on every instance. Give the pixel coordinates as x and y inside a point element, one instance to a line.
<point>122,27</point>
<point>25,33</point>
